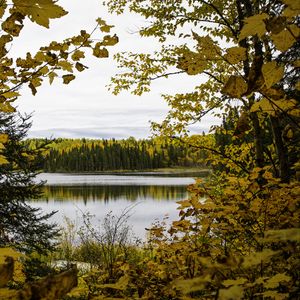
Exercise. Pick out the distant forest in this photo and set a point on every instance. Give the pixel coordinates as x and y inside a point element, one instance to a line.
<point>82,155</point>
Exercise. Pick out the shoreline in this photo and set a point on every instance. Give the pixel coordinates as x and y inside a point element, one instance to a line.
<point>148,172</point>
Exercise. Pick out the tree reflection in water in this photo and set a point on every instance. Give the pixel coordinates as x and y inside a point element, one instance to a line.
<point>108,193</point>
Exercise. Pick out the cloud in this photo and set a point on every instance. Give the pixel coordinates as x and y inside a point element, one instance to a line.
<point>117,132</point>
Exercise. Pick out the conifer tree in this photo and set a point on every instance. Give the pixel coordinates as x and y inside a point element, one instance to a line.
<point>21,225</point>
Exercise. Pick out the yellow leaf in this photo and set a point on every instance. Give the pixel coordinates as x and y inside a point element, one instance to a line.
<point>77,55</point>
<point>272,73</point>
<point>297,86</point>
<point>80,67</point>
<point>44,70</point>
<point>103,26</point>
<point>274,281</point>
<point>3,138</point>
<point>11,94</point>
<point>51,76</point>
<point>40,11</point>
<point>3,160</point>
<point>13,24</point>
<point>271,108</point>
<point>283,40</point>
<point>235,87</point>
<point>292,234</point>
<point>68,78</point>
<point>292,4</point>
<point>257,257</point>
<point>106,28</point>
<point>6,107</point>
<point>40,56</point>
<point>110,40</point>
<point>233,293</point>
<point>3,7</point>
<point>238,281</point>
<point>254,25</point>
<point>187,286</point>
<point>65,65</point>
<point>100,52</point>
<point>273,295</point>
<point>235,54</point>
<point>272,93</point>
<point>292,9</point>
<point>290,133</point>
<point>184,204</point>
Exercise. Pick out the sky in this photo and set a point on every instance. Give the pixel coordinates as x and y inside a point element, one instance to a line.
<point>85,107</point>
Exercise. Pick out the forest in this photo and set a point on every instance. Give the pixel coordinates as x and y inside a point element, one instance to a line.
<point>237,235</point>
<point>83,155</point>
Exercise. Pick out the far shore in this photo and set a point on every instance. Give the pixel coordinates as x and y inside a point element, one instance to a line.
<point>176,171</point>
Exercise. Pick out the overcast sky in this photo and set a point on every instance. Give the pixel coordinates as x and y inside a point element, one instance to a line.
<point>85,108</point>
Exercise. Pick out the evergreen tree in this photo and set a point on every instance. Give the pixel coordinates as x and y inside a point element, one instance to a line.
<point>21,225</point>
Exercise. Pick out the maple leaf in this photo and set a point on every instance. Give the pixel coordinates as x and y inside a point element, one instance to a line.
<point>40,11</point>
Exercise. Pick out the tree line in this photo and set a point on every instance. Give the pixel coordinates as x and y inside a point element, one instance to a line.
<point>84,155</point>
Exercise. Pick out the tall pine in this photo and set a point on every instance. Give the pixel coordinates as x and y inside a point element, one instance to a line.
<point>21,226</point>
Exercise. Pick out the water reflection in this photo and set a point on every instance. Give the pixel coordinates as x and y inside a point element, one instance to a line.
<point>72,195</point>
<point>113,193</point>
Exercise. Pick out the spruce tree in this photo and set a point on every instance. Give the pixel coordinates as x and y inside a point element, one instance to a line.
<point>21,226</point>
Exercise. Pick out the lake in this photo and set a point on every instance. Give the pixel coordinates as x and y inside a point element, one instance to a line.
<point>150,197</point>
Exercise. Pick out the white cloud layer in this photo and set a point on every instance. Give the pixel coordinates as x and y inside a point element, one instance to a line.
<point>85,108</point>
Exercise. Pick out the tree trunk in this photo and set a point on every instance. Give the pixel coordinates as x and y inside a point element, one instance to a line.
<point>281,151</point>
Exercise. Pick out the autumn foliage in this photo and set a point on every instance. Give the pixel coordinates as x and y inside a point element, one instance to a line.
<point>237,235</point>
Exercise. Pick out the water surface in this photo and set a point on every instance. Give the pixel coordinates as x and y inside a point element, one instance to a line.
<point>151,197</point>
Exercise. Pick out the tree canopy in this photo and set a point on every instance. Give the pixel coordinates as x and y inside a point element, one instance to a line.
<point>244,51</point>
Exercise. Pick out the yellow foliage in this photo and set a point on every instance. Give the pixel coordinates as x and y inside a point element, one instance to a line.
<point>283,40</point>
<point>235,55</point>
<point>40,11</point>
<point>235,87</point>
<point>254,25</point>
<point>233,293</point>
<point>272,73</point>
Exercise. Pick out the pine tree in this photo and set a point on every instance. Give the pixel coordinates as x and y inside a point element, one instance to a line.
<point>21,225</point>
